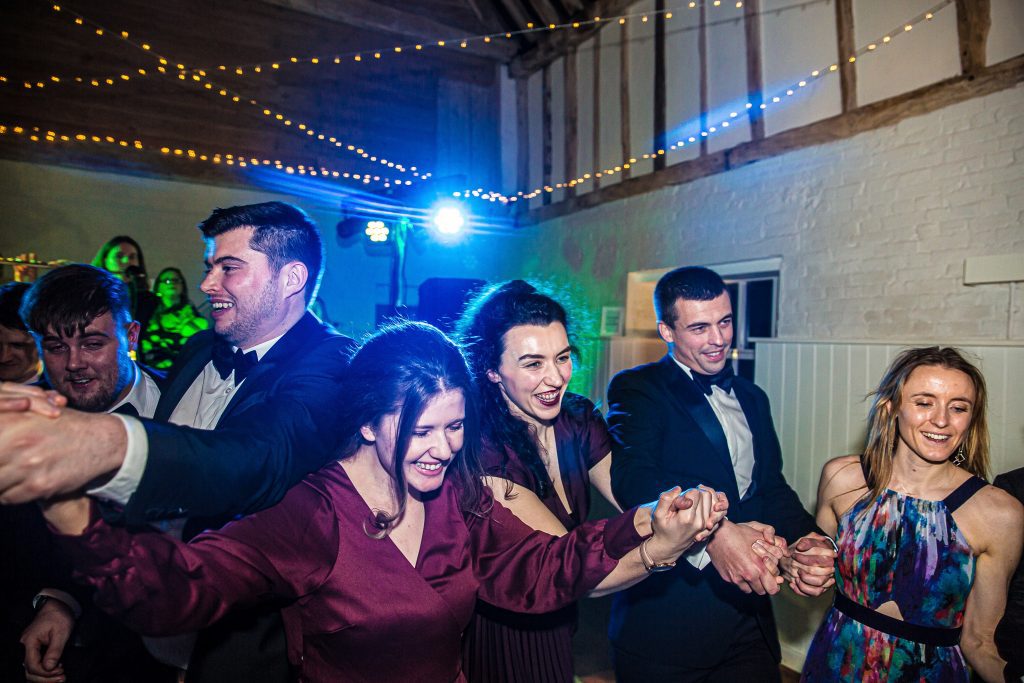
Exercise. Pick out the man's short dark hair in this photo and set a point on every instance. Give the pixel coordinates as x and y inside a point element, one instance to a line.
<point>282,232</point>
<point>11,296</point>
<point>694,283</point>
<point>68,298</point>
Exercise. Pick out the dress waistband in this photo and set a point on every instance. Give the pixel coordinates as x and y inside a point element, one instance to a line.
<point>926,635</point>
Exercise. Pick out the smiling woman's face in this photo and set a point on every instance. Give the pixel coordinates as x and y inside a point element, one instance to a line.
<point>936,409</point>
<point>535,369</point>
<point>436,439</point>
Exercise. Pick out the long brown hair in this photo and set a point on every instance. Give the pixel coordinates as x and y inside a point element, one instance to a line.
<point>876,462</point>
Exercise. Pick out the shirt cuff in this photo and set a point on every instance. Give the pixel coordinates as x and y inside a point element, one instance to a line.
<point>60,596</point>
<point>697,555</point>
<point>122,486</point>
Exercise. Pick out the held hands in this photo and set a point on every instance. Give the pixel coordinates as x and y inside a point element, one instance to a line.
<point>20,398</point>
<point>747,555</point>
<point>810,566</point>
<point>44,640</point>
<point>681,519</point>
<point>41,457</point>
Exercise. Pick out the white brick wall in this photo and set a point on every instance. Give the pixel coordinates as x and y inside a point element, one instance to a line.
<point>872,230</point>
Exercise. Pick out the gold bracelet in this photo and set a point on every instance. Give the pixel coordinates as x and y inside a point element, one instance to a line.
<point>649,564</point>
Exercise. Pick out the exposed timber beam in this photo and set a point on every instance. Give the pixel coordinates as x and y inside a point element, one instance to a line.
<point>973,20</point>
<point>557,44</point>
<point>372,16</point>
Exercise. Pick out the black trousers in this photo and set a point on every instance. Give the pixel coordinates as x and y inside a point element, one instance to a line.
<point>748,660</point>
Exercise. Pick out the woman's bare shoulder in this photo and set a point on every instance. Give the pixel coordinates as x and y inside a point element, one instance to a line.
<point>842,474</point>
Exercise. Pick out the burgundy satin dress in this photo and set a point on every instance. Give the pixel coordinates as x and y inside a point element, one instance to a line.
<point>355,609</point>
<point>501,646</point>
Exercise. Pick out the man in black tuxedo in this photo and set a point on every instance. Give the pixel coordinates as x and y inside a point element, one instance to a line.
<point>247,411</point>
<point>688,420</point>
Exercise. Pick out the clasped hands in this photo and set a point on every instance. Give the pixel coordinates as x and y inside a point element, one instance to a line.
<point>47,449</point>
<point>755,559</point>
<point>680,518</point>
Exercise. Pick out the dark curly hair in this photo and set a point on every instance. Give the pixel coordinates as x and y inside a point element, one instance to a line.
<point>481,331</point>
<point>399,369</point>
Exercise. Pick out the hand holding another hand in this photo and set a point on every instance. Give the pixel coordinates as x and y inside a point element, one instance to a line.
<point>681,519</point>
<point>20,398</point>
<point>810,567</point>
<point>747,555</point>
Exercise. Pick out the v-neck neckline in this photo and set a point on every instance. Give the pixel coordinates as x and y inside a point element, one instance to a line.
<point>418,564</point>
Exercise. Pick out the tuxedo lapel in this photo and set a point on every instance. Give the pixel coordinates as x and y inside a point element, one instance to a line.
<point>690,400</point>
<point>285,350</point>
<point>183,377</point>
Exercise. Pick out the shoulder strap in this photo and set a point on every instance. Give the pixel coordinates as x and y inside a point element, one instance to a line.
<point>963,492</point>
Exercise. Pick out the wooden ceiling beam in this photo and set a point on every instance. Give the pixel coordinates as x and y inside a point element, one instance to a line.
<point>546,11</point>
<point>558,43</point>
<point>372,16</point>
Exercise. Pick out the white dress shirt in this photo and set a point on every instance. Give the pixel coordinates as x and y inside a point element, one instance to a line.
<point>730,416</point>
<point>201,407</point>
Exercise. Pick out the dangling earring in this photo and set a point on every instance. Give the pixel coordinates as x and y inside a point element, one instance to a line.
<point>960,457</point>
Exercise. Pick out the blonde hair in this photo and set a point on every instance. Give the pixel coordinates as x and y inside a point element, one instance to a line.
<point>876,461</point>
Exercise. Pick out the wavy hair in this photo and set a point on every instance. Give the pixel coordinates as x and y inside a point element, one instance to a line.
<point>883,430</point>
<point>481,330</point>
<point>400,369</point>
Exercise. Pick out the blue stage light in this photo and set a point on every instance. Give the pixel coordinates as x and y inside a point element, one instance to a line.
<point>448,219</point>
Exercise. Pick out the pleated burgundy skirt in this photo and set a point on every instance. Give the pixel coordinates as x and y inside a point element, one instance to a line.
<point>507,647</point>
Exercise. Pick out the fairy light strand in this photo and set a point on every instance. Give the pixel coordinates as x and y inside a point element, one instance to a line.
<point>40,135</point>
<point>776,98</point>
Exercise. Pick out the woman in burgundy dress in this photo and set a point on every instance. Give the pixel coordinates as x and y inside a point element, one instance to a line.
<point>543,448</point>
<point>377,559</point>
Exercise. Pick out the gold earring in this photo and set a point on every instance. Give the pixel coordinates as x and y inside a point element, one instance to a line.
<point>960,456</point>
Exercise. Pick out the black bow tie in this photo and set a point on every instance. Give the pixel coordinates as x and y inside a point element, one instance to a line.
<point>127,409</point>
<point>226,361</point>
<point>723,378</point>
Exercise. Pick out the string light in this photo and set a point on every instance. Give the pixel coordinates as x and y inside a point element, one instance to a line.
<point>777,98</point>
<point>198,76</point>
<point>259,67</point>
<point>39,135</point>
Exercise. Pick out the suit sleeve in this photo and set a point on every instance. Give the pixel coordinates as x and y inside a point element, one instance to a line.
<point>782,508</point>
<point>636,421</point>
<point>158,585</point>
<point>254,456</point>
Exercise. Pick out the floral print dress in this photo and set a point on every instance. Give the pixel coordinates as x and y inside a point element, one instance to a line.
<point>903,549</point>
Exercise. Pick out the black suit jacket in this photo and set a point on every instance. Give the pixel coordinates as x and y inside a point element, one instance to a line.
<point>277,428</point>
<point>664,433</point>
<point>1010,632</point>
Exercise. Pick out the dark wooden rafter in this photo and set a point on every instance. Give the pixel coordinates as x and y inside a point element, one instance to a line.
<point>888,112</point>
<point>556,44</point>
<point>546,132</point>
<point>755,74</point>
<point>626,135</point>
<point>846,47</point>
<point>373,16</point>
<point>487,14</point>
<point>973,20</point>
<point>660,89</point>
<point>702,57</point>
<point>522,135</point>
<point>571,121</point>
<point>572,7</point>
<point>545,11</point>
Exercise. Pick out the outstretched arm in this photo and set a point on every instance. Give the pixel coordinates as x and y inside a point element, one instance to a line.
<point>160,586</point>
